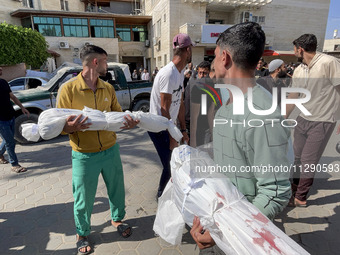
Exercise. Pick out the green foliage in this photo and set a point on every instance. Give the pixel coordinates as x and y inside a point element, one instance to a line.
<point>22,45</point>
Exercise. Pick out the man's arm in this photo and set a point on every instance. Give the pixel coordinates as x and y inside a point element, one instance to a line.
<point>269,151</point>
<point>18,103</point>
<point>290,107</point>
<point>194,112</point>
<point>181,118</point>
<point>165,111</point>
<point>73,123</point>
<point>165,105</point>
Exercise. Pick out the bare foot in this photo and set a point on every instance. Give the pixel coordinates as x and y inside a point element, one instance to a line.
<point>83,250</point>
<point>125,231</point>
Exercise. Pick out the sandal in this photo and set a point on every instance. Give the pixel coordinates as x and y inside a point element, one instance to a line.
<point>3,160</point>
<point>124,229</point>
<point>18,169</point>
<point>83,243</point>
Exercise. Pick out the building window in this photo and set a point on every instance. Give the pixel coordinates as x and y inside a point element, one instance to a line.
<point>127,33</point>
<point>75,27</point>
<point>164,18</point>
<point>159,60</point>
<point>123,33</point>
<point>165,60</point>
<point>140,33</point>
<point>158,27</point>
<point>215,21</point>
<point>26,22</point>
<point>47,26</point>
<point>254,19</point>
<point>28,3</point>
<point>64,5</point>
<point>262,19</point>
<point>102,28</point>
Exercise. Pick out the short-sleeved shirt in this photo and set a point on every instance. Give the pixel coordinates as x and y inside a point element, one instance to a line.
<point>320,78</point>
<point>7,112</point>
<point>168,81</point>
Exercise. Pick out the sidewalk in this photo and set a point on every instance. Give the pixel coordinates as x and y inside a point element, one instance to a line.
<point>36,208</point>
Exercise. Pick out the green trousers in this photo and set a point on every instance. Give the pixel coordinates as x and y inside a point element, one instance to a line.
<point>86,168</point>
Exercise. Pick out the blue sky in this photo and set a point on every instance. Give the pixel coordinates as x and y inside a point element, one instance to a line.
<point>333,19</point>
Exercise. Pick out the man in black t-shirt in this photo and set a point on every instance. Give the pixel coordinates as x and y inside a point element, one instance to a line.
<point>7,125</point>
<point>277,73</point>
<point>197,123</point>
<point>261,71</point>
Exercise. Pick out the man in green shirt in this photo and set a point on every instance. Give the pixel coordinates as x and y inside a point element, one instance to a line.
<point>253,144</point>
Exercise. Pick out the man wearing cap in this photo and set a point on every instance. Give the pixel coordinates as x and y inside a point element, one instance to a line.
<point>277,71</point>
<point>166,100</point>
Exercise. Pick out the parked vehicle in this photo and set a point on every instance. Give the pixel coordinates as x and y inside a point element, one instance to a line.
<point>132,95</point>
<point>22,83</point>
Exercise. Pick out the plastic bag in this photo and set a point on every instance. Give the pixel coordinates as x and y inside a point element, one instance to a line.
<point>31,132</point>
<point>235,224</point>
<point>168,214</point>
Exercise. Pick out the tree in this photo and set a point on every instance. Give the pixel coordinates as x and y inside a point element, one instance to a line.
<point>22,45</point>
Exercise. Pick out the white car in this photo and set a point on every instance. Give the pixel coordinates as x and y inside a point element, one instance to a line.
<point>22,83</point>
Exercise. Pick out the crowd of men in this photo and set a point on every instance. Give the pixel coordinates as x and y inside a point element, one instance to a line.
<point>176,94</point>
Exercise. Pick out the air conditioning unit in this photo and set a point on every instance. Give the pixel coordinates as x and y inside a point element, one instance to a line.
<point>247,16</point>
<point>158,45</point>
<point>154,41</point>
<point>64,45</point>
<point>147,43</point>
<point>87,43</point>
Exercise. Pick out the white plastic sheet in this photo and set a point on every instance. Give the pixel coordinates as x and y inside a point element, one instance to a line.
<point>52,121</point>
<point>236,225</point>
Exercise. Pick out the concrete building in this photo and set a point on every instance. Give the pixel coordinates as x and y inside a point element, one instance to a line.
<point>140,32</point>
<point>117,26</point>
<point>332,47</point>
<point>282,20</point>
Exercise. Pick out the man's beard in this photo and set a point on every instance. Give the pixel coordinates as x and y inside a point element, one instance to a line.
<point>102,72</point>
<point>282,74</point>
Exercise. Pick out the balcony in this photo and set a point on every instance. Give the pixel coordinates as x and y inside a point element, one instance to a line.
<point>233,3</point>
<point>130,7</point>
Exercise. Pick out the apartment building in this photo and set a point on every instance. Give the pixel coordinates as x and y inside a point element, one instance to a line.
<point>282,20</point>
<point>117,26</point>
<point>332,46</point>
<point>140,32</point>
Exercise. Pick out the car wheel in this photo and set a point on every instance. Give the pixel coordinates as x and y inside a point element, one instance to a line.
<point>142,105</point>
<point>23,119</point>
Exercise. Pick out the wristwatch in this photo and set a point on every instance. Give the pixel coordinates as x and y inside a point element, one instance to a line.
<point>184,130</point>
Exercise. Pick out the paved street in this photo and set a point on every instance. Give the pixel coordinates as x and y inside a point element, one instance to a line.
<point>36,208</point>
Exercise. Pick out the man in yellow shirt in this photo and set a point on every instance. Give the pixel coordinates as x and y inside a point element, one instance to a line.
<point>93,152</point>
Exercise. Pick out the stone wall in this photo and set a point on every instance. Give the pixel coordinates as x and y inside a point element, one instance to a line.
<point>73,5</point>
<point>329,44</point>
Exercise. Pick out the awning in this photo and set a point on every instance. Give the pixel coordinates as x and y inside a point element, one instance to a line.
<point>267,53</point>
<point>53,53</point>
<point>119,18</point>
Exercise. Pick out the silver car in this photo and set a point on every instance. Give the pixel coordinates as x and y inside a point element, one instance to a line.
<point>22,83</point>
